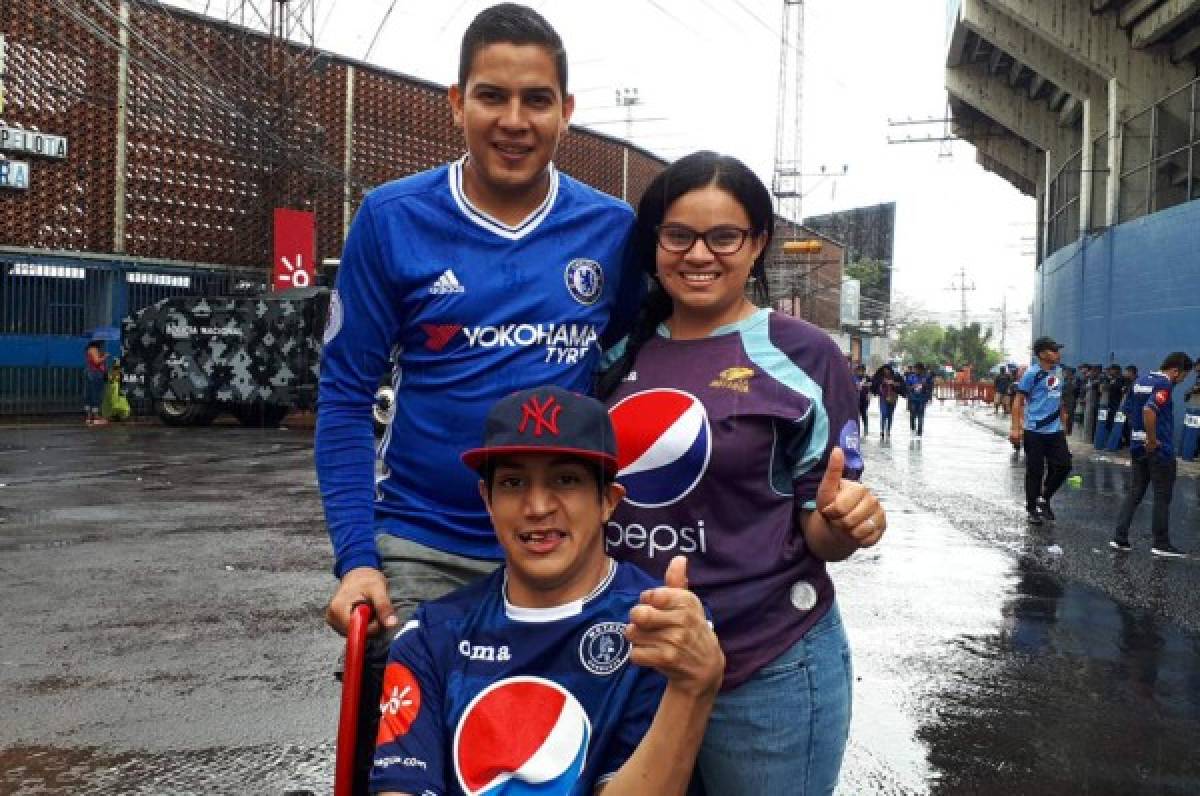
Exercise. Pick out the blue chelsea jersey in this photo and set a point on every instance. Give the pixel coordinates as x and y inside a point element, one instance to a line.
<point>461,309</point>
<point>1043,398</point>
<point>483,697</point>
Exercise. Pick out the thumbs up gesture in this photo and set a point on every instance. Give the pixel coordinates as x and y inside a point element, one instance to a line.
<point>670,633</point>
<point>847,508</point>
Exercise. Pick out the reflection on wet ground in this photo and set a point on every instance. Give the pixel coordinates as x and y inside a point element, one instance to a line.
<point>163,592</point>
<point>986,662</point>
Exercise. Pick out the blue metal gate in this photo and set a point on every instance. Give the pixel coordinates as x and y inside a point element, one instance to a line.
<point>50,305</point>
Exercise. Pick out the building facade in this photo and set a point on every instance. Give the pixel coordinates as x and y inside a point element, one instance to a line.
<point>144,149</point>
<point>1093,107</point>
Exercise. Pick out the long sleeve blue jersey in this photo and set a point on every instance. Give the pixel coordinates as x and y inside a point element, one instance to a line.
<point>462,309</point>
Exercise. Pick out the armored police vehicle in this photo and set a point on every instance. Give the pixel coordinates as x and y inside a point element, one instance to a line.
<point>191,358</point>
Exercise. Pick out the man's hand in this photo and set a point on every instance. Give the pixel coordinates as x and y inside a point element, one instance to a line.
<point>848,507</point>
<point>670,634</point>
<point>361,585</point>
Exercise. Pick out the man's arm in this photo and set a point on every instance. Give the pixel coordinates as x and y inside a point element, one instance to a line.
<point>1150,420</point>
<point>364,321</point>
<point>671,634</point>
<point>1018,417</point>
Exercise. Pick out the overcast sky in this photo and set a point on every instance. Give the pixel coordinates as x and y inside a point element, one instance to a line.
<point>707,73</point>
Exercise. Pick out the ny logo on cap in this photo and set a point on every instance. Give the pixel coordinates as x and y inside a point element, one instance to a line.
<point>544,415</point>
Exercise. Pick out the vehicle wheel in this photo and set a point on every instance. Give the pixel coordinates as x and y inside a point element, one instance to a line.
<point>184,413</point>
<point>261,415</point>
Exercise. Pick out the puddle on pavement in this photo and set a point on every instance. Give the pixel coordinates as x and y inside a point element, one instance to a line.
<point>44,770</point>
<point>1076,693</point>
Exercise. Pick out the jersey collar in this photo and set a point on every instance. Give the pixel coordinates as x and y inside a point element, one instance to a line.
<point>491,223</point>
<point>555,612</point>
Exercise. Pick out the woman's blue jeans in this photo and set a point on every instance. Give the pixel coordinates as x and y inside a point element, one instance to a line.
<point>783,732</point>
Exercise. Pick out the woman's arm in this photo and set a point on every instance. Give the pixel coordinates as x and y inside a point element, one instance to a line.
<point>848,515</point>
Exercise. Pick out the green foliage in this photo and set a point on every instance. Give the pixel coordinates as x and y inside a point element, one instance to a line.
<point>868,272</point>
<point>921,342</point>
<point>936,344</point>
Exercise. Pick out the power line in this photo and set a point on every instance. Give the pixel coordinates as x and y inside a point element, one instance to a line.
<point>383,23</point>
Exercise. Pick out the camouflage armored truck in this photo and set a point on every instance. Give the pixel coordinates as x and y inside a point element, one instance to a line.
<point>191,358</point>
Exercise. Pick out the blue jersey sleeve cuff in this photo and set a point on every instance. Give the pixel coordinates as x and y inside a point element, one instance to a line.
<point>355,560</point>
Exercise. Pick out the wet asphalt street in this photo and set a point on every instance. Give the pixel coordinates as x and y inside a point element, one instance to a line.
<point>162,592</point>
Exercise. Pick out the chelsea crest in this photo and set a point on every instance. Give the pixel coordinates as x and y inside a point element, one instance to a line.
<point>585,280</point>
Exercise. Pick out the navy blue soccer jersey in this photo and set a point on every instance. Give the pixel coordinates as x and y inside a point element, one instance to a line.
<point>466,309</point>
<point>1043,398</point>
<point>1153,392</point>
<point>483,697</point>
<point>720,442</point>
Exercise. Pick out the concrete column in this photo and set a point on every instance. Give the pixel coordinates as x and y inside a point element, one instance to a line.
<point>119,181</point>
<point>348,156</point>
<point>1118,112</point>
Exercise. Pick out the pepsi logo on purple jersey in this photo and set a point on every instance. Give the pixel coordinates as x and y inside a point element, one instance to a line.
<point>519,737</point>
<point>663,445</point>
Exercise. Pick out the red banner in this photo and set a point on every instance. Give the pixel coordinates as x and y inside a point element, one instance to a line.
<point>295,249</point>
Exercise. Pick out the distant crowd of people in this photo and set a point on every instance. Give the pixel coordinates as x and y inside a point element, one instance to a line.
<point>1113,406</point>
<point>915,384</point>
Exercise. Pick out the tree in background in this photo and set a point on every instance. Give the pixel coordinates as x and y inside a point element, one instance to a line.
<point>969,347</point>
<point>929,342</point>
<point>921,341</point>
<point>869,273</point>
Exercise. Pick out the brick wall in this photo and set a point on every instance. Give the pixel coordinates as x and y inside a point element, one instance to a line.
<point>222,126</point>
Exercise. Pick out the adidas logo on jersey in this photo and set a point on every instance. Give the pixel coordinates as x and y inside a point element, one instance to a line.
<point>447,283</point>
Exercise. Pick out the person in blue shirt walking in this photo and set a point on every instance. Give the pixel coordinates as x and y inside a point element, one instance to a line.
<point>1037,423</point>
<point>1152,452</point>
<point>920,390</point>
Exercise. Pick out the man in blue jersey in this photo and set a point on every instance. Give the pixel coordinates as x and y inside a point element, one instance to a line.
<point>466,282</point>
<point>920,390</point>
<point>1037,423</point>
<point>563,672</point>
<point>1152,452</point>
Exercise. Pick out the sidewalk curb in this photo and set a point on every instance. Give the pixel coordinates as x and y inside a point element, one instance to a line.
<point>999,425</point>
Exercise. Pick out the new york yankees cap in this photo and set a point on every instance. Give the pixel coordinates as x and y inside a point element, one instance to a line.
<point>547,420</point>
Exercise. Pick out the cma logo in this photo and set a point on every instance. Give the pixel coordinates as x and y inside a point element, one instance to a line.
<point>483,652</point>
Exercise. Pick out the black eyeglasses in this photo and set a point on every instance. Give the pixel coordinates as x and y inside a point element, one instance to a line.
<point>678,239</point>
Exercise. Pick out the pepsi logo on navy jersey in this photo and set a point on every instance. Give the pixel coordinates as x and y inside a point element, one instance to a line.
<point>585,280</point>
<point>663,445</point>
<point>521,736</point>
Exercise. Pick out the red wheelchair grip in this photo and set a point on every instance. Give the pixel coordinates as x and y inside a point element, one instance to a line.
<point>352,674</point>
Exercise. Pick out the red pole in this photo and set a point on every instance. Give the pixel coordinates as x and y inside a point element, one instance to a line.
<point>356,643</point>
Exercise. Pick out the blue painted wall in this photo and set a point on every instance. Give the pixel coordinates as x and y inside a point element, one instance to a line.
<point>1129,295</point>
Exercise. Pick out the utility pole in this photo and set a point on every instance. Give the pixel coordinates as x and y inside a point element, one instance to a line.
<point>1003,310</point>
<point>786,180</point>
<point>962,286</point>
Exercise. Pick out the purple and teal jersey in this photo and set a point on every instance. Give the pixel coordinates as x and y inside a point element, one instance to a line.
<point>461,309</point>
<point>721,441</point>
<point>1043,398</point>
<point>481,697</point>
<point>1153,392</point>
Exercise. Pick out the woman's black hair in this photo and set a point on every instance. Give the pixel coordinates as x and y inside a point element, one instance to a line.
<point>693,172</point>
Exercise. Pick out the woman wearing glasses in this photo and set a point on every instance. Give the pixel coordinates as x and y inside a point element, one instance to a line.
<point>738,437</point>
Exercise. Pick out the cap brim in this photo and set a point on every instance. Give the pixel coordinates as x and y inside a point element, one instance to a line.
<point>476,458</point>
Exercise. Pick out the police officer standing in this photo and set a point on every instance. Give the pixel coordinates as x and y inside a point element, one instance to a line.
<point>1152,452</point>
<point>1037,422</point>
